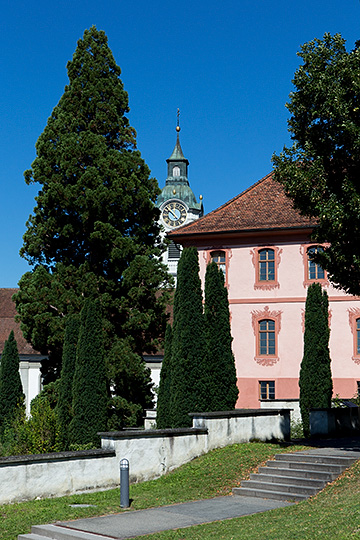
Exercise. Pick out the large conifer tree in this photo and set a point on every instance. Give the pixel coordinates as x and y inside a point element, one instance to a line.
<point>188,360</point>
<point>11,391</point>
<point>222,390</point>
<point>89,385</point>
<point>315,373</point>
<point>94,229</point>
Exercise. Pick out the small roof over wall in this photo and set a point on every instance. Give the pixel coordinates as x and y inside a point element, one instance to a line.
<point>263,206</point>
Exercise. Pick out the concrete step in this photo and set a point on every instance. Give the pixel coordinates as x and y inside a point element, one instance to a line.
<point>298,473</point>
<point>248,492</point>
<point>282,488</point>
<point>291,480</point>
<point>321,467</point>
<point>294,476</point>
<point>32,536</point>
<point>316,458</point>
<point>57,532</point>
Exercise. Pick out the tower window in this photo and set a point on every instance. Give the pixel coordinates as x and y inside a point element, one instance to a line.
<point>174,251</point>
<point>176,171</point>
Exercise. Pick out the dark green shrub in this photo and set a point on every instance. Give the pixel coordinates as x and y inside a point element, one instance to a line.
<point>220,363</point>
<point>315,379</point>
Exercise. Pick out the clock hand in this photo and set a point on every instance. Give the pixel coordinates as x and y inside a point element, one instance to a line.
<point>174,215</point>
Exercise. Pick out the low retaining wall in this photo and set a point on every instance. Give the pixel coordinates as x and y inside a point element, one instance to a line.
<point>56,474</point>
<point>335,422</point>
<point>151,453</point>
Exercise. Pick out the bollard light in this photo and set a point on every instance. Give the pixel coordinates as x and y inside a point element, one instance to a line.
<point>124,483</point>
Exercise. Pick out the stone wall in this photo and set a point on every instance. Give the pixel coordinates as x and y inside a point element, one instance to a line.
<point>151,453</point>
<point>336,422</point>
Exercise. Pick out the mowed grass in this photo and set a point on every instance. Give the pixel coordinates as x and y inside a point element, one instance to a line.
<point>333,514</point>
<point>211,475</point>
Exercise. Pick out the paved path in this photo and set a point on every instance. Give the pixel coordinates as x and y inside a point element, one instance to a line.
<point>135,523</point>
<point>130,524</point>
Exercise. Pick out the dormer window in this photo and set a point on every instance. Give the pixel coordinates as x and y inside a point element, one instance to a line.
<point>176,171</point>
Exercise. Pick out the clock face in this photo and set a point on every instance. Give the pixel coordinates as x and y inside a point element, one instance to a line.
<point>174,214</point>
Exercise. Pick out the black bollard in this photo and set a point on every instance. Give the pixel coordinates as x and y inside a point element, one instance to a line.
<point>124,483</point>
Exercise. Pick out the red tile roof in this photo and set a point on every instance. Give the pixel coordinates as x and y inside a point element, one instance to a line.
<point>7,323</point>
<point>262,206</point>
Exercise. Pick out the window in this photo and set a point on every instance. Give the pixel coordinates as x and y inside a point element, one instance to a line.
<point>358,388</point>
<point>267,389</point>
<point>176,171</point>
<point>174,251</point>
<point>266,337</point>
<point>266,326</point>
<point>315,272</point>
<point>266,265</point>
<point>312,271</point>
<point>266,261</point>
<point>354,321</point>
<point>219,257</point>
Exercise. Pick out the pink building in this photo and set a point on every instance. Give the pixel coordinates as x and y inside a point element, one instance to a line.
<point>262,244</point>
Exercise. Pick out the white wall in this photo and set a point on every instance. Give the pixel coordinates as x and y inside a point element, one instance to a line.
<point>151,453</point>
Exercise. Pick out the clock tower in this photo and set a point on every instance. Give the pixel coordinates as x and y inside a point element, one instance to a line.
<point>177,202</point>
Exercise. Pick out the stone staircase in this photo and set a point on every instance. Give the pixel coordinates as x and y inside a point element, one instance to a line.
<point>294,477</point>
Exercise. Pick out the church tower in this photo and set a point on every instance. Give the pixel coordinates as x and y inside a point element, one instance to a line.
<point>177,202</point>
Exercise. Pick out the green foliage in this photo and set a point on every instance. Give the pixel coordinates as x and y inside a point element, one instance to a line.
<point>320,172</point>
<point>89,384</point>
<point>94,231</point>
<point>163,419</point>
<point>188,361</point>
<point>222,389</point>
<point>315,373</point>
<point>208,476</point>
<point>64,407</point>
<point>11,392</point>
<point>36,434</point>
<point>296,429</point>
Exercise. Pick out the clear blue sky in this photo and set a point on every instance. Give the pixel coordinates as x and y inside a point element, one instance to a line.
<point>227,65</point>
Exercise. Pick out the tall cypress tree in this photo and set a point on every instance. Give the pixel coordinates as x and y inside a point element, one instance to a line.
<point>11,391</point>
<point>188,361</point>
<point>64,405</point>
<point>222,389</point>
<point>163,419</point>
<point>89,385</point>
<point>315,372</point>
<point>94,231</point>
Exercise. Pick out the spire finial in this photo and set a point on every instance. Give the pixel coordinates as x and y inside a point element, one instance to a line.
<point>178,121</point>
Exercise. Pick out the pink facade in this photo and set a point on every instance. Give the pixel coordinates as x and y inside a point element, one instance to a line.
<point>267,275</point>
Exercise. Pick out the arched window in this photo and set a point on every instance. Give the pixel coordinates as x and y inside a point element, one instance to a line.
<point>219,257</point>
<point>358,337</point>
<point>266,326</point>
<point>267,337</point>
<point>176,171</point>
<point>315,272</point>
<point>266,261</point>
<point>266,264</point>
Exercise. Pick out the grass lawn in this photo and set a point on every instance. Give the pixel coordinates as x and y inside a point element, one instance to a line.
<point>333,514</point>
<point>211,475</point>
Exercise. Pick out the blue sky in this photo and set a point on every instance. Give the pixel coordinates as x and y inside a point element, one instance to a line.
<point>227,65</point>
